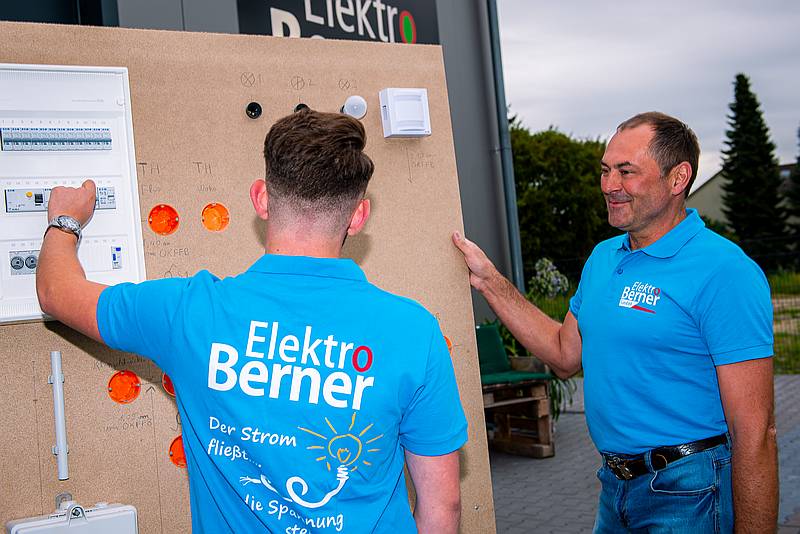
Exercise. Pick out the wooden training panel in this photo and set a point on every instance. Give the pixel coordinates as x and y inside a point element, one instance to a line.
<point>196,146</point>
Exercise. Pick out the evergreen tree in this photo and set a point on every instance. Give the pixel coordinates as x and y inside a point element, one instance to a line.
<point>793,198</point>
<point>751,200</point>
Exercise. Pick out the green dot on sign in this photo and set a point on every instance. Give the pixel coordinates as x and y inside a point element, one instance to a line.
<point>408,28</point>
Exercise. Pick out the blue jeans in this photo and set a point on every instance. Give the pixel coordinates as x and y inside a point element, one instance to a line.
<point>692,495</point>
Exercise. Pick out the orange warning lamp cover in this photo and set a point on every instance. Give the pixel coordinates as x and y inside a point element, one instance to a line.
<point>124,387</point>
<point>216,217</point>
<point>176,454</point>
<point>166,381</point>
<point>449,343</point>
<point>163,219</point>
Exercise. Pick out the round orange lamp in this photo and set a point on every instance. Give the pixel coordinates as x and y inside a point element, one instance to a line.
<point>124,387</point>
<point>216,217</point>
<point>176,454</point>
<point>163,219</point>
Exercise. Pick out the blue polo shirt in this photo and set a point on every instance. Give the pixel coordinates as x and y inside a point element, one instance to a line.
<point>655,324</point>
<point>299,385</point>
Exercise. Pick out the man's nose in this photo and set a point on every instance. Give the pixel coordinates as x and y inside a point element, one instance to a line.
<point>611,181</point>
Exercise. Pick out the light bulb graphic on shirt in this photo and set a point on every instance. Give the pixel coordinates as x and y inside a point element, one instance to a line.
<point>344,448</point>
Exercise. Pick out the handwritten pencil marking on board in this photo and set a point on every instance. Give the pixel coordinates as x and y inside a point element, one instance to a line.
<point>248,79</point>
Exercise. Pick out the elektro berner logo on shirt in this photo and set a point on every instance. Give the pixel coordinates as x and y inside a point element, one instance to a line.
<point>639,296</point>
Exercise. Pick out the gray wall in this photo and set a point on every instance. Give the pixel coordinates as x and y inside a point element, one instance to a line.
<point>464,34</point>
<point>193,15</point>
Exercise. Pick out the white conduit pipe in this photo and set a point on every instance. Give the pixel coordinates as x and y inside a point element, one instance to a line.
<point>60,449</point>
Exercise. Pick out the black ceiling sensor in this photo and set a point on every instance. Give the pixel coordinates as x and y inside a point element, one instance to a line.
<point>300,107</point>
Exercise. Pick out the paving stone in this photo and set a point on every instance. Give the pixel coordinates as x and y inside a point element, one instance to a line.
<point>559,494</point>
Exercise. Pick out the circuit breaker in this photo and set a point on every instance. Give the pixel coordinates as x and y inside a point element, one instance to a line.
<point>60,126</point>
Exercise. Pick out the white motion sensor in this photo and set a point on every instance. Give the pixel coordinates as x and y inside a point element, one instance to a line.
<point>355,106</point>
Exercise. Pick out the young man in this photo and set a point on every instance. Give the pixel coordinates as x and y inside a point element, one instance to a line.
<point>673,327</point>
<point>302,387</point>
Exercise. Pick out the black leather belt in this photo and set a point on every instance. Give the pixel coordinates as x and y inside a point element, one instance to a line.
<point>628,467</point>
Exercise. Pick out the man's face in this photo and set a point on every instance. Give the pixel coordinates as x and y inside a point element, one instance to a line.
<point>635,193</point>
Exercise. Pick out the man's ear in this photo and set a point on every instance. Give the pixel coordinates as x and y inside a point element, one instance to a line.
<point>359,217</point>
<point>679,178</point>
<point>260,198</point>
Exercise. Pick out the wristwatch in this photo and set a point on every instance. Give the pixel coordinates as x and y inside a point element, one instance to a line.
<point>65,223</point>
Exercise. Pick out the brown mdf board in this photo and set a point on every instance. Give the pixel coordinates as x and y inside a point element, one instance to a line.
<point>195,145</point>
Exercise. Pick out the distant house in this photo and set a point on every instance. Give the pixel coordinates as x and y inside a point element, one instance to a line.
<point>707,198</point>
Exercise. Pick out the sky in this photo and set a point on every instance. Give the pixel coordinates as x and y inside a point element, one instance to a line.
<point>584,66</point>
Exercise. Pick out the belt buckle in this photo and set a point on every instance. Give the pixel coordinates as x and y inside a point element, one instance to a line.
<point>619,468</point>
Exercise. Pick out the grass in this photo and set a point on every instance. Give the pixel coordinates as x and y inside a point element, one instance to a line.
<point>787,354</point>
<point>785,286</point>
<point>555,308</point>
<point>784,283</point>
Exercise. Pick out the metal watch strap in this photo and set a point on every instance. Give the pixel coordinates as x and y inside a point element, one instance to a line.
<point>72,225</point>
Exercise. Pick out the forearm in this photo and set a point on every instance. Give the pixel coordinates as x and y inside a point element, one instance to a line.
<point>61,285</point>
<point>755,482</point>
<point>537,332</point>
<point>58,264</point>
<point>444,520</point>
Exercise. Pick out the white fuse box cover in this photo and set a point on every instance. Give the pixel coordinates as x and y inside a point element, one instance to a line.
<point>404,112</point>
<point>60,125</point>
<point>101,519</point>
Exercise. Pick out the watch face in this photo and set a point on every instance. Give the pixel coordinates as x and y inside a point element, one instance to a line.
<point>65,221</point>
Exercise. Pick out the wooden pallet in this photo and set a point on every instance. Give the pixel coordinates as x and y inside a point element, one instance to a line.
<point>520,415</point>
<point>517,393</point>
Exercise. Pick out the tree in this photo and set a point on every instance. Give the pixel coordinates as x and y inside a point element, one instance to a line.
<point>793,198</point>
<point>562,213</point>
<point>751,199</point>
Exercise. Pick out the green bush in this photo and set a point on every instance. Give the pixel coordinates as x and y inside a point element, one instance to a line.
<point>784,283</point>
<point>787,354</point>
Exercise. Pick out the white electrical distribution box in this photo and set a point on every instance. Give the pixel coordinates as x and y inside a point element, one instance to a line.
<point>404,112</point>
<point>73,519</point>
<point>60,125</point>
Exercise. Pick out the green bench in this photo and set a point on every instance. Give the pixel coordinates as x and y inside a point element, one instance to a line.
<point>516,403</point>
<point>493,360</point>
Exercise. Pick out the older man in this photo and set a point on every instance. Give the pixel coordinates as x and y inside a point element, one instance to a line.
<point>673,327</point>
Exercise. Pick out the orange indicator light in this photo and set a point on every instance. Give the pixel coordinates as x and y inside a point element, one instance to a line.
<point>176,454</point>
<point>216,217</point>
<point>163,219</point>
<point>166,381</point>
<point>124,387</point>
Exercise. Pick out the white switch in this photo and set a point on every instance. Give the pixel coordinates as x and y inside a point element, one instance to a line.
<point>404,112</point>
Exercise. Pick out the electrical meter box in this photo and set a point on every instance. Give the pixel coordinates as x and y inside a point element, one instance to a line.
<point>73,519</point>
<point>60,126</point>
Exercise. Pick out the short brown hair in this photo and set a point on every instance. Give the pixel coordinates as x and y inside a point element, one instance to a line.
<point>316,160</point>
<point>673,142</point>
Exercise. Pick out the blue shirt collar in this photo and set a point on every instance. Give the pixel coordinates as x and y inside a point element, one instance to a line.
<point>670,243</point>
<point>309,266</point>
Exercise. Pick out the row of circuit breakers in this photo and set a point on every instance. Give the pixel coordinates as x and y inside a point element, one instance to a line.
<point>61,125</point>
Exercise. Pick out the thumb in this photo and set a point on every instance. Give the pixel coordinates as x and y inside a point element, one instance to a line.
<point>460,242</point>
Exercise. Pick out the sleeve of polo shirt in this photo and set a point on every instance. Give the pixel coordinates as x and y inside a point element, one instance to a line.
<point>735,313</point>
<point>577,299</point>
<point>138,318</point>
<point>434,423</point>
